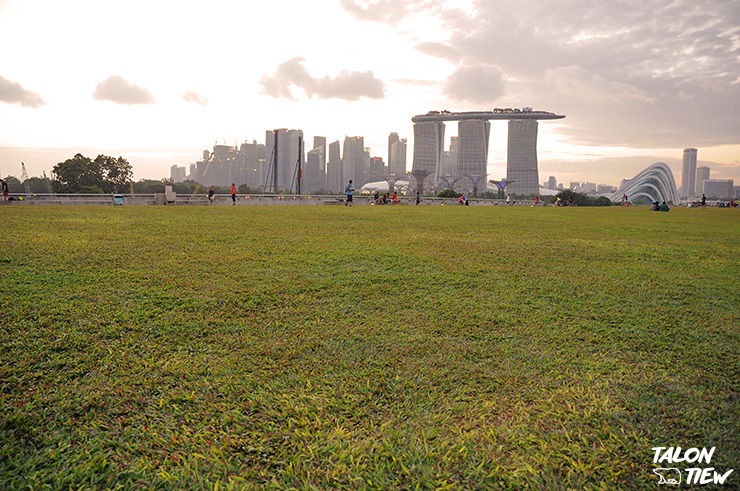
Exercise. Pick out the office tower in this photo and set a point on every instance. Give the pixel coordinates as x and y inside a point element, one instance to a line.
<point>521,160</point>
<point>355,161</point>
<point>392,138</point>
<point>472,148</point>
<point>250,165</point>
<point>688,174</point>
<point>702,174</point>
<point>313,175</point>
<point>193,175</point>
<point>286,160</point>
<point>428,146</point>
<point>334,173</point>
<point>177,174</point>
<point>377,168</point>
<point>397,163</point>
<point>552,183</point>
<point>719,188</point>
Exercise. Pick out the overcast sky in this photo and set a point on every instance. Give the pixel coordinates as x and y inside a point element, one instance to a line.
<point>158,81</point>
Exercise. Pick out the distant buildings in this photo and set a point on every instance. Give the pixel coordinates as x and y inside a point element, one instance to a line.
<point>521,157</point>
<point>688,173</point>
<point>719,188</point>
<point>702,174</point>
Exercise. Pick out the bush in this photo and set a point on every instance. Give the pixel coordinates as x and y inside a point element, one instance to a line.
<point>448,193</point>
<point>603,201</point>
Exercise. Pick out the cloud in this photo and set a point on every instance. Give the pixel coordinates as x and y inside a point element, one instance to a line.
<point>440,50</point>
<point>117,89</point>
<point>349,86</point>
<point>645,74</point>
<point>14,93</point>
<point>194,97</point>
<point>477,84</point>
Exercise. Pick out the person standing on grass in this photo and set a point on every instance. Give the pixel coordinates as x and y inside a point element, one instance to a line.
<point>703,200</point>
<point>233,194</point>
<point>418,198</point>
<point>508,199</point>
<point>349,190</point>
<point>211,192</point>
<point>5,191</point>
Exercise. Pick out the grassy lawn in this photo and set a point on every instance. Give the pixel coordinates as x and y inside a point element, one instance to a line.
<point>366,347</point>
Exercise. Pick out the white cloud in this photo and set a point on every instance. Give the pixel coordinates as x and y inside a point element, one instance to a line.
<point>478,84</point>
<point>192,96</point>
<point>14,93</point>
<point>349,86</point>
<point>117,89</point>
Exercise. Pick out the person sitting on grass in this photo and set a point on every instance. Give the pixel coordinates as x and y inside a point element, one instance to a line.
<point>655,206</point>
<point>664,207</point>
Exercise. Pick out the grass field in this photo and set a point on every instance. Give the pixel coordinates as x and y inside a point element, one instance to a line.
<point>365,347</point>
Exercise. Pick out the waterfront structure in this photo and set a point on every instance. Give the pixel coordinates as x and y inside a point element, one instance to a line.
<point>654,183</point>
<point>474,133</point>
<point>702,174</point>
<point>688,172</point>
<point>719,188</point>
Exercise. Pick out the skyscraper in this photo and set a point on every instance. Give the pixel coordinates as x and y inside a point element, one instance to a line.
<point>313,175</point>
<point>428,145</point>
<point>688,173</point>
<point>702,174</point>
<point>397,163</point>
<point>355,161</point>
<point>521,160</point>
<point>286,158</point>
<point>392,138</point>
<point>334,174</point>
<point>552,183</point>
<point>472,148</point>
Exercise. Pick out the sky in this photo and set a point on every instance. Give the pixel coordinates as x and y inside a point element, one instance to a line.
<point>159,81</point>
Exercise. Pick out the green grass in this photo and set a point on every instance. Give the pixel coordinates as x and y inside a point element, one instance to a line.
<point>364,348</point>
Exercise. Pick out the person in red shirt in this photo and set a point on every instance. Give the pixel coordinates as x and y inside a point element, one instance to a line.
<point>233,194</point>
<point>395,198</point>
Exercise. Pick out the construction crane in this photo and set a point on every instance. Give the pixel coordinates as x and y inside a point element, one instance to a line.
<point>24,178</point>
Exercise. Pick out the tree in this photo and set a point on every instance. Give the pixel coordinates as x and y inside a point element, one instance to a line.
<point>116,173</point>
<point>82,175</point>
<point>14,185</point>
<point>579,199</point>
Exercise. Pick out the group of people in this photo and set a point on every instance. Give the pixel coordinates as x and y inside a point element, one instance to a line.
<point>560,202</point>
<point>659,206</point>
<point>386,198</point>
<point>212,194</point>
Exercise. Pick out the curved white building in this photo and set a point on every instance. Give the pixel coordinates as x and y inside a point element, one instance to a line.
<point>656,183</point>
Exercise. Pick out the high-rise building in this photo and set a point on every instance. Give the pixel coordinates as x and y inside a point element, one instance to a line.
<point>472,149</point>
<point>397,162</point>
<point>428,146</point>
<point>250,167</point>
<point>313,175</point>
<point>688,174</point>
<point>286,160</point>
<point>355,161</point>
<point>334,173</point>
<point>702,174</point>
<point>392,138</point>
<point>521,160</point>
<point>177,174</point>
<point>719,188</point>
<point>552,183</point>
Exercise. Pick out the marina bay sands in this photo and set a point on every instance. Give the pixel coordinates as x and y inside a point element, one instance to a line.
<point>467,160</point>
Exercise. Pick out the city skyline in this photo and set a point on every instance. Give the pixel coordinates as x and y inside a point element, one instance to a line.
<point>157,83</point>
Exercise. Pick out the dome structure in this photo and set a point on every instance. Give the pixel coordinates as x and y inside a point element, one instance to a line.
<point>655,183</point>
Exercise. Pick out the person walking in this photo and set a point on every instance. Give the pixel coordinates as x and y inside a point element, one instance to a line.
<point>418,198</point>
<point>349,190</point>
<point>233,194</point>
<point>5,191</point>
<point>508,199</point>
<point>703,199</point>
<point>211,192</point>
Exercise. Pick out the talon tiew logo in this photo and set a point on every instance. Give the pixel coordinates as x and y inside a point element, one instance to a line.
<point>694,475</point>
